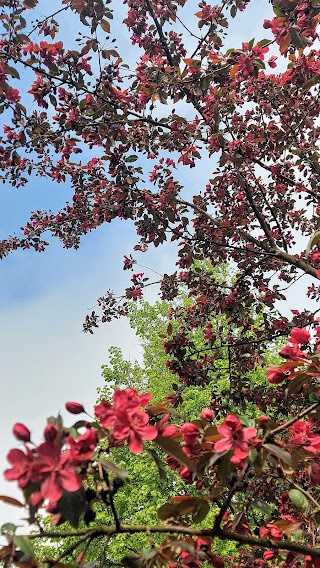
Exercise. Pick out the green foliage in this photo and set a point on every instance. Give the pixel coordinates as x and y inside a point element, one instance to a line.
<point>139,500</point>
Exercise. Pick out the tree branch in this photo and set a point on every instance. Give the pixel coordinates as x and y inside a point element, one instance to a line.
<point>286,425</point>
<point>111,530</point>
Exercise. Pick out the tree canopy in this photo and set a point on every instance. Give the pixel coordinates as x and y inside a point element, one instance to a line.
<point>122,104</point>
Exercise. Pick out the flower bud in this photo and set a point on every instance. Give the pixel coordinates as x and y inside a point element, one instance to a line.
<point>74,407</point>
<point>275,376</point>
<point>35,499</point>
<point>207,414</point>
<point>50,432</point>
<point>21,432</point>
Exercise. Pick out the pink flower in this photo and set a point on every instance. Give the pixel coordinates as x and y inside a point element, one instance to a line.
<point>166,430</point>
<point>105,413</point>
<point>303,436</point>
<point>21,469</point>
<point>12,95</point>
<point>134,428</point>
<point>21,432</point>
<point>298,335</point>
<point>271,531</point>
<point>190,433</point>
<point>291,352</point>
<point>128,422</point>
<point>234,437</point>
<point>55,471</point>
<point>272,61</point>
<point>83,448</point>
<point>315,473</point>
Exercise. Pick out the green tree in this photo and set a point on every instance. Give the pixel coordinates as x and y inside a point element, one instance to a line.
<point>139,500</point>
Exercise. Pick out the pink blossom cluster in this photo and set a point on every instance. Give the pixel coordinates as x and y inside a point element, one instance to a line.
<point>126,419</point>
<point>55,465</point>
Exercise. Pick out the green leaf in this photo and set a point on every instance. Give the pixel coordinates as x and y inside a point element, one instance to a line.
<point>261,506</point>
<point>233,11</point>
<point>299,500</point>
<point>8,528</point>
<point>149,553</point>
<point>297,39</point>
<point>24,544</point>
<point>166,511</point>
<point>314,397</point>
<point>13,72</point>
<point>249,422</point>
<point>311,83</point>
<point>160,465</point>
<point>278,12</point>
<point>296,384</point>
<point>201,513</point>
<point>264,42</point>
<point>114,468</point>
<point>259,64</point>
<point>283,455</point>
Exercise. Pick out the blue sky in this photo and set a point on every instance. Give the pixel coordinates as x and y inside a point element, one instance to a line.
<point>45,358</point>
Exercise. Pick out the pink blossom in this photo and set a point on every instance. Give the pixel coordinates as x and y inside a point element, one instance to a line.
<point>55,471</point>
<point>235,437</point>
<point>128,422</point>
<point>21,469</point>
<point>190,433</point>
<point>303,436</point>
<point>83,448</point>
<point>134,428</point>
<point>298,335</point>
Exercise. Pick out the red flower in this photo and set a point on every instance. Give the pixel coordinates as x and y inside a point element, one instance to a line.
<point>12,95</point>
<point>166,430</point>
<point>291,352</point>
<point>128,399</point>
<point>21,432</point>
<point>315,473</point>
<point>298,335</point>
<point>56,472</point>
<point>128,422</point>
<point>21,470</point>
<point>105,413</point>
<point>234,437</point>
<point>83,448</point>
<point>134,428</point>
<point>272,61</point>
<point>271,531</point>
<point>303,436</point>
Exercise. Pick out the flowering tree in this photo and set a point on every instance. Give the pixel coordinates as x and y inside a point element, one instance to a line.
<point>103,128</point>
